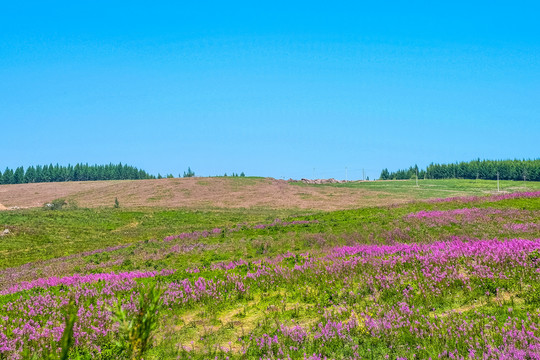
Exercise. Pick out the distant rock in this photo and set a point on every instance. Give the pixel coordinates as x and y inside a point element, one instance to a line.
<point>5,232</point>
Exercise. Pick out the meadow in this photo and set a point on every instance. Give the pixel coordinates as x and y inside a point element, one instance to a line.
<point>428,188</point>
<point>435,277</point>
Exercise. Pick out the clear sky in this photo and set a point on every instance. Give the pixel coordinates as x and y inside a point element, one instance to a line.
<point>278,88</point>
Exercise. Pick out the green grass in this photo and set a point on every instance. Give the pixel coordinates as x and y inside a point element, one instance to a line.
<point>436,188</point>
<point>38,234</point>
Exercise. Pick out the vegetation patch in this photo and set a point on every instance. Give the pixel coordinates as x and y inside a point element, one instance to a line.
<point>445,278</point>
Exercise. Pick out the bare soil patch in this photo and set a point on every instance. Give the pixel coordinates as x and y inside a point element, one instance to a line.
<point>196,193</point>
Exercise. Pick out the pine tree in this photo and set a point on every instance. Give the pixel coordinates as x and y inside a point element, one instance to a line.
<point>8,176</point>
<point>189,173</point>
<point>18,175</point>
<point>79,172</point>
<point>30,175</point>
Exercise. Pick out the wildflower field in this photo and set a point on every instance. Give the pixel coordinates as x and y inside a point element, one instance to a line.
<point>454,278</point>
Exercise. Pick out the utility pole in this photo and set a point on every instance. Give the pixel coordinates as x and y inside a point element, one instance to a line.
<point>363,174</point>
<point>416,177</point>
<point>497,181</point>
<point>346,179</point>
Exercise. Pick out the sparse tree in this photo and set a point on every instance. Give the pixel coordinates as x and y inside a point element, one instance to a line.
<point>189,173</point>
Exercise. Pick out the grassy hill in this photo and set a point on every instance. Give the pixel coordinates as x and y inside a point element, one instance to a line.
<point>405,279</point>
<point>238,192</point>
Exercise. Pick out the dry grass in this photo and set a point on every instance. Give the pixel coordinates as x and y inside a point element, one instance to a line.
<point>196,193</point>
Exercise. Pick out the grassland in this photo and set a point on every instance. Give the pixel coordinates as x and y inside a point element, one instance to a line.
<point>420,279</point>
<point>245,193</point>
<point>40,235</point>
<point>37,234</point>
<point>435,188</point>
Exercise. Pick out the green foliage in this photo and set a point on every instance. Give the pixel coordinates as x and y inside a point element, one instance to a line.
<point>18,175</point>
<point>532,295</point>
<point>440,188</point>
<point>79,172</point>
<point>409,173</point>
<point>56,204</point>
<point>7,177</point>
<point>189,173</point>
<point>524,170</point>
<point>41,235</point>
<point>234,174</point>
<point>210,327</point>
<point>66,343</point>
<point>137,330</point>
<point>116,203</point>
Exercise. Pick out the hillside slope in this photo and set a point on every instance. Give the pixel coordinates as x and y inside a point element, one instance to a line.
<point>196,193</point>
<point>250,192</point>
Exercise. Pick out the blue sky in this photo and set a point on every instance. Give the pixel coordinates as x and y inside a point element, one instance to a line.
<point>282,89</point>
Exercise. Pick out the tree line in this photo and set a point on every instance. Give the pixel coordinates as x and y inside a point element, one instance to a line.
<point>78,172</point>
<point>526,170</point>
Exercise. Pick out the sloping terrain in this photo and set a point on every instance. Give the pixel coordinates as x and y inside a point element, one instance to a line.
<point>197,193</point>
<point>249,193</point>
<point>416,281</point>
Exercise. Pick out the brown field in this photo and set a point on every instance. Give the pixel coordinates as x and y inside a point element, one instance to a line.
<point>195,193</point>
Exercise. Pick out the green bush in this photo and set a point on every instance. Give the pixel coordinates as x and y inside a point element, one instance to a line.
<point>56,204</point>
